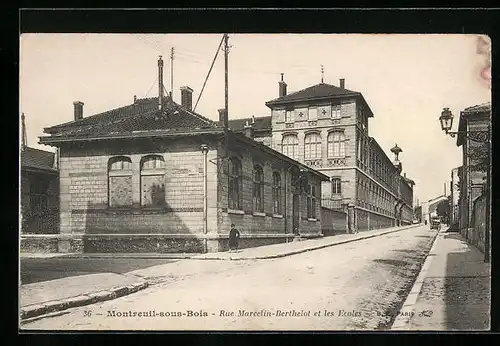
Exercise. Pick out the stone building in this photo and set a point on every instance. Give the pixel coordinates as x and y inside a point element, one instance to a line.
<point>326,127</point>
<point>472,174</point>
<point>154,176</point>
<point>39,189</point>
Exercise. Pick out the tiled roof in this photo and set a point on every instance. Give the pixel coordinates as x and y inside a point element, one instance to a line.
<point>38,159</point>
<point>321,90</point>
<point>484,107</point>
<point>143,115</point>
<point>259,123</point>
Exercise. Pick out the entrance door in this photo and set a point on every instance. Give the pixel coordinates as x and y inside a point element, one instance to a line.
<point>295,214</point>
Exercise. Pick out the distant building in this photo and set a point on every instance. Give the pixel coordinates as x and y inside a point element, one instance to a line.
<point>326,128</point>
<point>455,194</point>
<point>39,198</point>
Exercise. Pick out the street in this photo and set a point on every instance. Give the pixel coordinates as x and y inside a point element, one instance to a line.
<point>353,286</point>
<point>37,270</point>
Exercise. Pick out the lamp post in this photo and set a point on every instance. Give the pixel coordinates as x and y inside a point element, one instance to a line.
<point>479,136</point>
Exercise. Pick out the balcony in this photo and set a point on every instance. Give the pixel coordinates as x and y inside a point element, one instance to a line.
<point>314,162</point>
<point>337,162</point>
<point>334,204</point>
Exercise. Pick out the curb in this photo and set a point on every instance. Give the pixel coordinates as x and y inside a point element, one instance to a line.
<point>402,320</point>
<point>317,247</point>
<point>36,310</point>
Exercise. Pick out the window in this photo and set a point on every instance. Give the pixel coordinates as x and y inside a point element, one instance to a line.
<point>311,201</point>
<point>288,116</point>
<point>276,193</point>
<point>312,148</point>
<point>290,145</point>
<point>153,181</point>
<point>336,111</point>
<point>336,144</point>
<point>258,189</point>
<point>313,113</point>
<point>235,184</point>
<point>120,181</point>
<point>336,186</point>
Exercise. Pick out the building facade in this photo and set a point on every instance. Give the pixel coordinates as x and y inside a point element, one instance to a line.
<point>39,193</point>
<point>326,128</point>
<point>154,176</point>
<point>455,195</point>
<point>472,174</point>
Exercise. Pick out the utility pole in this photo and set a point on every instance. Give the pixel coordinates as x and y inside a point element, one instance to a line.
<point>24,138</point>
<point>226,98</point>
<point>171,71</point>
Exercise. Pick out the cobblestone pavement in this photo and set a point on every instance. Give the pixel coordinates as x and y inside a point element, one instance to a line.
<point>353,286</point>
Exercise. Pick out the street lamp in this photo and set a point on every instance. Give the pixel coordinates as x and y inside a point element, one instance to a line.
<point>479,136</point>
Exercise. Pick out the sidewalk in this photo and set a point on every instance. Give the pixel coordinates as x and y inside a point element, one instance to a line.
<point>60,294</point>
<point>55,295</point>
<point>453,289</point>
<point>254,253</point>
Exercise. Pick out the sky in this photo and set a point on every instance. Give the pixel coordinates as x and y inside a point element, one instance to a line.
<point>406,80</point>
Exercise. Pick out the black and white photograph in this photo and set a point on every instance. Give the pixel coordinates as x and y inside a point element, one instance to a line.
<point>254,182</point>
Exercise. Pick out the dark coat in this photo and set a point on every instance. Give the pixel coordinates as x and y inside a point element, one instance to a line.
<point>234,235</point>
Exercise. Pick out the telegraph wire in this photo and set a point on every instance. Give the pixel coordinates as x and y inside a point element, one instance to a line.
<point>208,74</point>
<point>156,79</point>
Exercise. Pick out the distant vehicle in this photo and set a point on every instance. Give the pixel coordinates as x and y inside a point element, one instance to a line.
<point>436,223</point>
<point>415,221</point>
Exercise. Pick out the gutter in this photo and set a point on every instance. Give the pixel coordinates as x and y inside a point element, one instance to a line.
<point>66,139</point>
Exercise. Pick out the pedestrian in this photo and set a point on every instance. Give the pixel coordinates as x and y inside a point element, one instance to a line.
<point>234,236</point>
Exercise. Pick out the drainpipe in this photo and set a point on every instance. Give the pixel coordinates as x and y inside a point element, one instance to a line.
<point>285,214</point>
<point>204,150</point>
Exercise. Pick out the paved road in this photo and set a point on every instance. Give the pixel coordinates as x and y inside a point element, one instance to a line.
<point>43,269</point>
<point>354,286</point>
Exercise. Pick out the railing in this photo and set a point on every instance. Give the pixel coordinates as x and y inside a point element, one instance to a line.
<point>335,204</point>
<point>314,162</point>
<point>335,162</point>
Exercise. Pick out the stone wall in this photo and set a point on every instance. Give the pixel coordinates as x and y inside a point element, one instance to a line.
<point>333,222</point>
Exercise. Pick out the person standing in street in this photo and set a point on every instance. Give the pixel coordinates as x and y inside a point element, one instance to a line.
<point>234,236</point>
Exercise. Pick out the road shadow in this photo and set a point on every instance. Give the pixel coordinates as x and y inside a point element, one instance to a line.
<point>467,291</point>
<point>392,262</point>
<point>45,269</point>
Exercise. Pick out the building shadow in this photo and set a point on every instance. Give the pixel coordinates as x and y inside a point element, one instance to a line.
<point>156,228</point>
<point>467,288</point>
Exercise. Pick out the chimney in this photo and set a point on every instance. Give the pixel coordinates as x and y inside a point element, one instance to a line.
<point>160,83</point>
<point>253,119</point>
<point>248,130</point>
<point>135,98</point>
<point>78,110</point>
<point>187,97</point>
<point>221,116</point>
<point>282,87</point>
<point>342,83</point>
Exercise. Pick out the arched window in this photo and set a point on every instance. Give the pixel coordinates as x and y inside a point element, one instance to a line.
<point>235,184</point>
<point>120,181</point>
<point>336,186</point>
<point>336,144</point>
<point>312,148</point>
<point>290,145</point>
<point>276,193</point>
<point>258,189</point>
<point>153,181</point>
